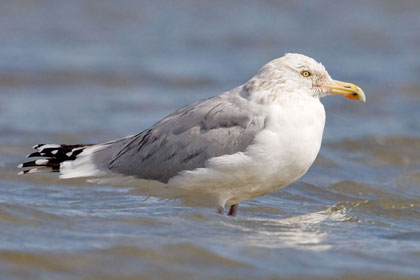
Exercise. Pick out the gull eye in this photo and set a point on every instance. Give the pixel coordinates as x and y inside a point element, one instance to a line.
<point>306,73</point>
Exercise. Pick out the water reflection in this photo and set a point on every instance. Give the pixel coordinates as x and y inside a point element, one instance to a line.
<point>303,232</point>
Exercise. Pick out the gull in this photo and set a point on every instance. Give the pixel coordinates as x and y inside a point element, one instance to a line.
<point>247,142</point>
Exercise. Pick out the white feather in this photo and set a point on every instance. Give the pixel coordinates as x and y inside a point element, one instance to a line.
<point>47,146</point>
<point>83,165</point>
<point>39,169</point>
<point>41,161</point>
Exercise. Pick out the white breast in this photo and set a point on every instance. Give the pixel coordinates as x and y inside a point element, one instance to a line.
<point>289,144</point>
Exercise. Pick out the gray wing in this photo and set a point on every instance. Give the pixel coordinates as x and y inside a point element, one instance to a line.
<point>186,139</point>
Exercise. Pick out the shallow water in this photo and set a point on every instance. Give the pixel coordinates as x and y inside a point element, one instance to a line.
<point>90,71</point>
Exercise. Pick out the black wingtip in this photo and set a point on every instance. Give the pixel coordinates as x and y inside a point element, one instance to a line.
<point>37,146</point>
<point>52,155</point>
<point>34,154</point>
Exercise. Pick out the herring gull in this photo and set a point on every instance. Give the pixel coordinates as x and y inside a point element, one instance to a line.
<point>254,139</point>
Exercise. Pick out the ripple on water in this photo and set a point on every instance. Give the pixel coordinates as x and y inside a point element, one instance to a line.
<point>377,150</point>
<point>358,190</point>
<point>410,179</point>
<point>24,215</point>
<point>165,262</point>
<point>374,211</point>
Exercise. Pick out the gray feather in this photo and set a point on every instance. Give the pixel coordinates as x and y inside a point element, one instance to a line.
<point>186,139</point>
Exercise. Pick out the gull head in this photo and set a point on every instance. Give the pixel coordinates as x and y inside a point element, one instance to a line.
<point>297,74</point>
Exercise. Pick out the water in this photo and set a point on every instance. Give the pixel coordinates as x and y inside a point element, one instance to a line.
<point>90,71</point>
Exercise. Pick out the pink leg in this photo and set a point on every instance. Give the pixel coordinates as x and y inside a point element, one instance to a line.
<point>220,210</point>
<point>233,210</point>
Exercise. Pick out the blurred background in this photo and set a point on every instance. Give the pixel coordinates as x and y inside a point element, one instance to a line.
<point>90,71</point>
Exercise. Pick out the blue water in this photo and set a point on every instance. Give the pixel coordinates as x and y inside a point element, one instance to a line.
<point>90,71</point>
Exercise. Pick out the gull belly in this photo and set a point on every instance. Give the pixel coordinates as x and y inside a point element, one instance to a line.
<point>279,155</point>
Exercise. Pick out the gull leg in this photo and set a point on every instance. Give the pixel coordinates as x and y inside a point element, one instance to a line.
<point>233,210</point>
<point>221,210</point>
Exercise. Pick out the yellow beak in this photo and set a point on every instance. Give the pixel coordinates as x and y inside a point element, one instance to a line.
<point>348,90</point>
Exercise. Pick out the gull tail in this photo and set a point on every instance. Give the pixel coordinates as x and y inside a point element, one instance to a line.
<point>51,156</point>
<point>72,161</point>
